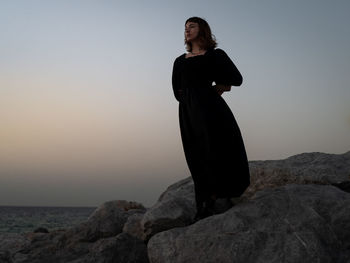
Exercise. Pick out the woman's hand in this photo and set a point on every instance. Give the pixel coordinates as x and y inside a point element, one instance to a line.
<point>222,88</point>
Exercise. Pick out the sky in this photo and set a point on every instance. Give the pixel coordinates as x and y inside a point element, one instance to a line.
<point>87,111</point>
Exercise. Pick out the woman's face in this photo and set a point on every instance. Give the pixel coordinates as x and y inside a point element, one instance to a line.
<point>191,31</point>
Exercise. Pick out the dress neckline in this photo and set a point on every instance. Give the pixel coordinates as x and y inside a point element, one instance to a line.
<point>195,55</point>
<point>206,52</point>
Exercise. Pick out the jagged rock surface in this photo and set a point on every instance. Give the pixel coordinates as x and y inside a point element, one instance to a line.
<point>174,208</point>
<point>106,221</point>
<point>133,226</point>
<point>10,243</point>
<point>281,223</point>
<point>99,239</point>
<point>122,248</point>
<point>305,168</point>
<point>293,223</point>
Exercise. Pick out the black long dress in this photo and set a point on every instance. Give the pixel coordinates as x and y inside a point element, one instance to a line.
<point>211,138</point>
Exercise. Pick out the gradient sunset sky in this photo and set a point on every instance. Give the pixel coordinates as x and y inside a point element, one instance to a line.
<point>87,111</point>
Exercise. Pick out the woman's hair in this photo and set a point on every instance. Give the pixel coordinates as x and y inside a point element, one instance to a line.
<point>206,38</point>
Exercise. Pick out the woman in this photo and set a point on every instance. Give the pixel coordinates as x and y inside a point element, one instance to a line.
<point>211,138</point>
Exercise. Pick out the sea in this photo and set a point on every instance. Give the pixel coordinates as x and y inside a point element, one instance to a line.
<point>22,219</point>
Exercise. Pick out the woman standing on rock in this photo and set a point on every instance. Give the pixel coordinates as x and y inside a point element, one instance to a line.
<point>211,138</point>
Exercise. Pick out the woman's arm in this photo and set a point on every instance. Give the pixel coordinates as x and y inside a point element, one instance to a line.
<point>175,82</point>
<point>225,71</point>
<point>222,88</point>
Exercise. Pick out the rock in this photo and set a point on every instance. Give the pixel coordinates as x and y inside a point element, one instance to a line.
<point>130,250</point>
<point>12,242</point>
<point>122,248</point>
<point>305,168</point>
<point>43,247</point>
<point>57,246</point>
<point>133,226</point>
<point>278,219</point>
<point>293,223</point>
<point>174,208</point>
<point>92,241</point>
<point>106,221</point>
<point>5,257</point>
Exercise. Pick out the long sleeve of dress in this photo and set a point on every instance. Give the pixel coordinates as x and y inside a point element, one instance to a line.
<point>175,82</point>
<point>225,71</point>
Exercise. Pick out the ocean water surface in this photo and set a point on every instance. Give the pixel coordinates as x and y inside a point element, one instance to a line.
<point>17,219</point>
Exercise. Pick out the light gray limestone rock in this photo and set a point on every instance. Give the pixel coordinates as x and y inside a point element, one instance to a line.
<point>99,239</point>
<point>174,208</point>
<point>133,226</point>
<point>106,221</point>
<point>293,223</point>
<point>122,248</point>
<point>305,168</point>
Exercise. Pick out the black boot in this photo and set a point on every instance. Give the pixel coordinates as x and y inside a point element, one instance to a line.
<point>209,206</point>
<point>205,209</point>
<point>200,212</point>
